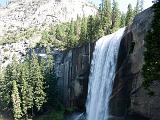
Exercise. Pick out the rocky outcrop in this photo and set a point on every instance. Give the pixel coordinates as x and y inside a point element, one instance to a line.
<point>23,20</point>
<point>129,99</point>
<point>72,69</point>
<point>41,13</point>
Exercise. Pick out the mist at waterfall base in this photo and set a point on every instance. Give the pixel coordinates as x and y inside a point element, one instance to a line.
<point>102,74</point>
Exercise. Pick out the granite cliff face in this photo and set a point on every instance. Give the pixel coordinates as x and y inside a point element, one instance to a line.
<point>72,69</point>
<point>23,15</point>
<point>129,100</point>
<point>129,97</point>
<point>20,14</point>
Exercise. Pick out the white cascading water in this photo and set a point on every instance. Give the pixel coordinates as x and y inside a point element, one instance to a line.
<point>102,75</point>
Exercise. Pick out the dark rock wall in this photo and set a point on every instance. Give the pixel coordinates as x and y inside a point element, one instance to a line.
<point>72,68</point>
<point>129,99</point>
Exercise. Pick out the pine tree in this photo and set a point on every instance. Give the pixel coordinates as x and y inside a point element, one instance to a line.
<point>38,83</point>
<point>7,86</point>
<point>30,83</point>
<point>24,97</point>
<point>77,28</point>
<point>60,33</point>
<point>16,102</point>
<point>51,81</point>
<point>98,29</point>
<point>122,21</point>
<point>106,15</point>
<point>115,16</point>
<point>3,102</point>
<point>129,15</point>
<point>90,29</point>
<point>83,34</point>
<point>15,69</point>
<point>24,88</point>
<point>71,38</point>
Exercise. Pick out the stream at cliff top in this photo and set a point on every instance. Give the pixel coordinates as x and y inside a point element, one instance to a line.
<point>102,74</point>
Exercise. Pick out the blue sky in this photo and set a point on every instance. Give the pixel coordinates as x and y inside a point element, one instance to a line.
<point>3,2</point>
<point>122,3</point>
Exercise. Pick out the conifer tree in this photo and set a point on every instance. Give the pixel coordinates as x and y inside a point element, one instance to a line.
<point>16,102</point>
<point>98,29</point>
<point>71,38</point>
<point>122,21</point>
<point>38,83</point>
<point>129,15</point>
<point>30,83</point>
<point>83,34</point>
<point>3,101</point>
<point>115,16</point>
<point>90,29</point>
<point>24,88</point>
<point>24,97</point>
<point>7,86</point>
<point>77,28</point>
<point>60,33</point>
<point>106,15</point>
<point>51,80</point>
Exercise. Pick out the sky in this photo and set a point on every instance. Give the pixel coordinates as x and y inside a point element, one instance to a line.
<point>3,2</point>
<point>122,3</point>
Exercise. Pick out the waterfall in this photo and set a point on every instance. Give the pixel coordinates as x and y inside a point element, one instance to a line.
<point>102,76</point>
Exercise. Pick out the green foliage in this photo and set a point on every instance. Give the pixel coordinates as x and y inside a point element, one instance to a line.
<point>115,16</point>
<point>55,115</point>
<point>11,37</point>
<point>83,32</point>
<point>33,87</point>
<point>151,68</point>
<point>24,92</point>
<point>129,15</point>
<point>37,82</point>
<point>106,16</point>
<point>90,29</point>
<point>16,101</point>
<point>71,37</point>
<point>122,20</point>
<point>70,109</point>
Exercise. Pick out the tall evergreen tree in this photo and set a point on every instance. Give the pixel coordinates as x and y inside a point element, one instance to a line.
<point>51,80</point>
<point>129,15</point>
<point>90,29</point>
<point>122,21</point>
<point>106,15</point>
<point>38,83</point>
<point>115,16</point>
<point>3,90</point>
<point>7,86</point>
<point>60,33</point>
<point>24,88</point>
<point>71,38</point>
<point>83,34</point>
<point>97,28</point>
<point>28,71</point>
<point>16,101</point>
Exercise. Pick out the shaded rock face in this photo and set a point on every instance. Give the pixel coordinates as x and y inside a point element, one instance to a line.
<point>129,99</point>
<point>72,69</point>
